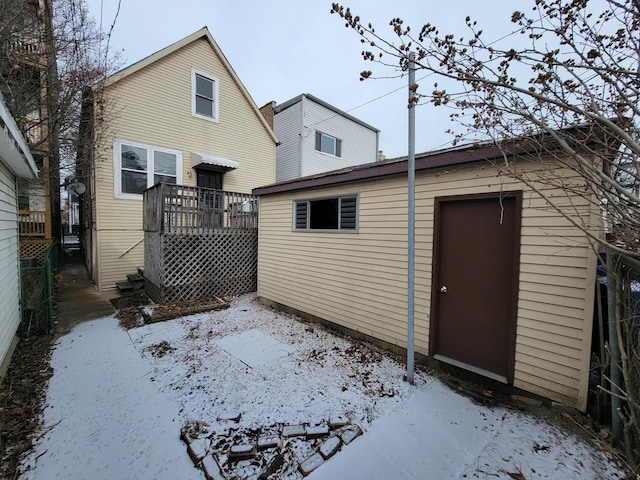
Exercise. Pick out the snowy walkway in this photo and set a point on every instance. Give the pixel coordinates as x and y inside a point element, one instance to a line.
<point>105,416</point>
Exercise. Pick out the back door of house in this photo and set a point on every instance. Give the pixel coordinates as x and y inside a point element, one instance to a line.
<point>475,282</point>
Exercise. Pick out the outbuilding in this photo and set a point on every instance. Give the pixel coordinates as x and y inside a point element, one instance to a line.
<point>504,277</point>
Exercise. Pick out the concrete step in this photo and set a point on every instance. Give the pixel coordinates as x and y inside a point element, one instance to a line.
<point>124,286</point>
<point>136,279</point>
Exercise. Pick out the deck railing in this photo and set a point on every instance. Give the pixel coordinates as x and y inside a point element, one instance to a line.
<point>190,210</point>
<point>33,223</point>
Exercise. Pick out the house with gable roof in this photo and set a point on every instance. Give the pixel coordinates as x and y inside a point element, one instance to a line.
<point>180,116</point>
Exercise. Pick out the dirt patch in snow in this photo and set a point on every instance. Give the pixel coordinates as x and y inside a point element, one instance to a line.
<point>138,309</point>
<point>22,397</point>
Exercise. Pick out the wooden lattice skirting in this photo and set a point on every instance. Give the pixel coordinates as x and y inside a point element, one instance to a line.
<point>200,266</point>
<point>34,248</point>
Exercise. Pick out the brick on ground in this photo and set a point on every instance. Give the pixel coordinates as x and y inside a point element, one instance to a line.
<point>338,421</point>
<point>211,468</point>
<point>268,441</point>
<point>231,417</point>
<point>293,431</point>
<point>350,434</point>
<point>317,431</point>
<point>197,449</point>
<point>330,447</point>
<point>310,464</point>
<point>242,452</point>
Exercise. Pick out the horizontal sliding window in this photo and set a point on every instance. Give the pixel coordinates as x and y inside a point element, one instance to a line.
<point>329,213</point>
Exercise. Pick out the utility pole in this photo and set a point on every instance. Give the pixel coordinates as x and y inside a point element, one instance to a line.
<point>411,250</point>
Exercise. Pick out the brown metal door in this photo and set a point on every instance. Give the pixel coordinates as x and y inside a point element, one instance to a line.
<point>476,249</point>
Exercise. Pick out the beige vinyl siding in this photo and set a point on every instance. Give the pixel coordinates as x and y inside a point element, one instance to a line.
<point>153,107</point>
<point>10,291</point>
<point>358,280</point>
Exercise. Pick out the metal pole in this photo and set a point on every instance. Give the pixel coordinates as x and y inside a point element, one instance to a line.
<point>613,279</point>
<point>411,253</point>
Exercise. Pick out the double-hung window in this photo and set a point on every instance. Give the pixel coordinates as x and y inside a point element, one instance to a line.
<point>328,144</point>
<point>204,95</point>
<point>138,167</point>
<point>329,213</point>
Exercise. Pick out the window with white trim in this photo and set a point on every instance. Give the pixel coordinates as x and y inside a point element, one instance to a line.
<point>204,95</point>
<point>138,167</point>
<point>328,213</point>
<point>328,144</point>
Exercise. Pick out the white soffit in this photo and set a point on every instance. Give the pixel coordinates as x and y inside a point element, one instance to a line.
<point>201,160</point>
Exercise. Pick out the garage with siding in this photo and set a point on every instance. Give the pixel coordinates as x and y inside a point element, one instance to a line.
<point>504,281</point>
<point>15,162</point>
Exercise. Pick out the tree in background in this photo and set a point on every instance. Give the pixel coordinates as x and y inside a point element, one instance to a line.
<point>51,50</point>
<point>572,89</point>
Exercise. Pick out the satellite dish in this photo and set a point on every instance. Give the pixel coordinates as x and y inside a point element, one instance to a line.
<point>76,187</point>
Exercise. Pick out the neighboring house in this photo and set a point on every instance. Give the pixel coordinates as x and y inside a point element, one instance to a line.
<point>28,84</point>
<point>504,285</point>
<point>316,137</point>
<point>16,163</point>
<point>179,116</point>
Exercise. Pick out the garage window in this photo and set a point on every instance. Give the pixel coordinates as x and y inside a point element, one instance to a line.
<point>328,213</point>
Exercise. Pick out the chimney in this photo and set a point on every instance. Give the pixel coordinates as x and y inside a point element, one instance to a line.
<point>267,112</point>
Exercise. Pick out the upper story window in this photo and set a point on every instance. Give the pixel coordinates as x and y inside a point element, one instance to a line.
<point>328,144</point>
<point>330,213</point>
<point>204,95</point>
<point>138,167</point>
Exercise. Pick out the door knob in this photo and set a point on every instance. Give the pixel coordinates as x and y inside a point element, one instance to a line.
<point>443,289</point>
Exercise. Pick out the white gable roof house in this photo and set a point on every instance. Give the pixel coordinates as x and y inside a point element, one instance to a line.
<point>15,162</point>
<point>316,137</point>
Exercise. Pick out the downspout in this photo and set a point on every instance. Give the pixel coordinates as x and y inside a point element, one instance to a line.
<point>302,136</point>
<point>377,147</point>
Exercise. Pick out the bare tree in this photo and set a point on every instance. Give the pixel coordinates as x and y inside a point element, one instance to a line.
<point>572,89</point>
<point>51,52</point>
<point>578,67</point>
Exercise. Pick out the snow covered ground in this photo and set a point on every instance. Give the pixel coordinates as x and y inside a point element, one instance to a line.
<point>118,400</point>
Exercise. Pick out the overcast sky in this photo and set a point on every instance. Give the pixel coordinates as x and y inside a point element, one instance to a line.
<point>282,48</point>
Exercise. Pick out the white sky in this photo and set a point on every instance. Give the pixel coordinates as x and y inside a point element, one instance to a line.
<point>282,48</point>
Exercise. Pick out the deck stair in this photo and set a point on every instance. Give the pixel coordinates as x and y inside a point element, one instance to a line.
<point>134,281</point>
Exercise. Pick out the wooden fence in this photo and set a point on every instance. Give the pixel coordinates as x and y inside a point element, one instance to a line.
<point>33,223</point>
<point>192,210</point>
